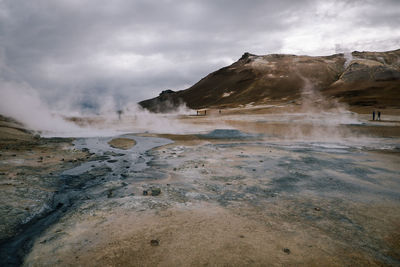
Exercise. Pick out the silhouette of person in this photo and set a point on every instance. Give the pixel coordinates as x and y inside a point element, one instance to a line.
<point>373,115</point>
<point>379,115</point>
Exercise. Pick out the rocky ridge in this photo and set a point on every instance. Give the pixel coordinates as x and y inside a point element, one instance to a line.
<point>359,78</point>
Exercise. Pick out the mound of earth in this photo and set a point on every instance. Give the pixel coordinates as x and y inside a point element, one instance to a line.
<point>122,143</point>
<point>362,78</point>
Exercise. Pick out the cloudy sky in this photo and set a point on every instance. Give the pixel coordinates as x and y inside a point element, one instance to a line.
<point>84,51</point>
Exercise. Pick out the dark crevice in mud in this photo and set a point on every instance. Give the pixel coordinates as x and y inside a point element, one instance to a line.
<point>72,188</point>
<point>108,164</point>
<point>13,250</point>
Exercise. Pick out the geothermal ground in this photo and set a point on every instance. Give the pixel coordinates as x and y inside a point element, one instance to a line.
<point>249,186</point>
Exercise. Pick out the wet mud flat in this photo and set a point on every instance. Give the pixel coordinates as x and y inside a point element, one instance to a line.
<point>30,182</point>
<point>230,201</point>
<point>43,180</point>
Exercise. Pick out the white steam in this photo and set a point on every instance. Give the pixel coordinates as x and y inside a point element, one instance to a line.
<point>346,53</point>
<point>23,103</point>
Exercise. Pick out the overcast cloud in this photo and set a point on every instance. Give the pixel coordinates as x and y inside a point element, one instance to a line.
<point>78,52</point>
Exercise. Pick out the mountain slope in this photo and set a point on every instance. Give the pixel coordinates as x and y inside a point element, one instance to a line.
<point>355,79</point>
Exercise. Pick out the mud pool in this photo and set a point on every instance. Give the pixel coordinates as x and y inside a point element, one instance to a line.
<point>281,202</point>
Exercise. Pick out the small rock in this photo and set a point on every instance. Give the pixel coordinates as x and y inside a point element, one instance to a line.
<point>110,193</point>
<point>286,250</point>
<point>154,242</point>
<point>241,236</point>
<point>317,209</point>
<point>155,191</point>
<point>124,175</point>
<point>196,166</point>
<point>174,169</point>
<point>62,159</point>
<point>254,170</point>
<point>145,193</point>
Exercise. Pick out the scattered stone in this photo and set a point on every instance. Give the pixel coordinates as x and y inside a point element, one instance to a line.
<point>92,166</point>
<point>202,165</point>
<point>112,160</point>
<point>317,209</point>
<point>110,193</point>
<point>127,167</point>
<point>286,250</point>
<point>254,170</point>
<point>155,191</point>
<point>145,193</point>
<point>14,155</point>
<point>241,236</point>
<point>196,166</point>
<point>124,175</point>
<point>62,159</point>
<point>154,242</point>
<point>174,169</point>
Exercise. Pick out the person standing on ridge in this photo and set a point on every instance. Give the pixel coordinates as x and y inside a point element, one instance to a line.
<point>373,115</point>
<point>379,115</point>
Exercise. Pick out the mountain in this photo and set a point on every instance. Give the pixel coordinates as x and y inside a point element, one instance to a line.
<point>359,78</point>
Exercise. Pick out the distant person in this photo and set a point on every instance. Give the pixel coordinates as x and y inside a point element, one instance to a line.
<point>373,115</point>
<point>379,115</point>
<point>119,112</point>
<point>219,111</point>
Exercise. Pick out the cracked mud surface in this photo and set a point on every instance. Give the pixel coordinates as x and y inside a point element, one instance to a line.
<point>236,203</point>
<point>220,198</point>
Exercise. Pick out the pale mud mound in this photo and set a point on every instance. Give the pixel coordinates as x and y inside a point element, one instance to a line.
<point>122,143</point>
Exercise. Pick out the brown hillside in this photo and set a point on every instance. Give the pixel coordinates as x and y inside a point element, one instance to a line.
<point>368,78</point>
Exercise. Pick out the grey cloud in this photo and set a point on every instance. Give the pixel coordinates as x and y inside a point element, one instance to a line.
<point>131,50</point>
